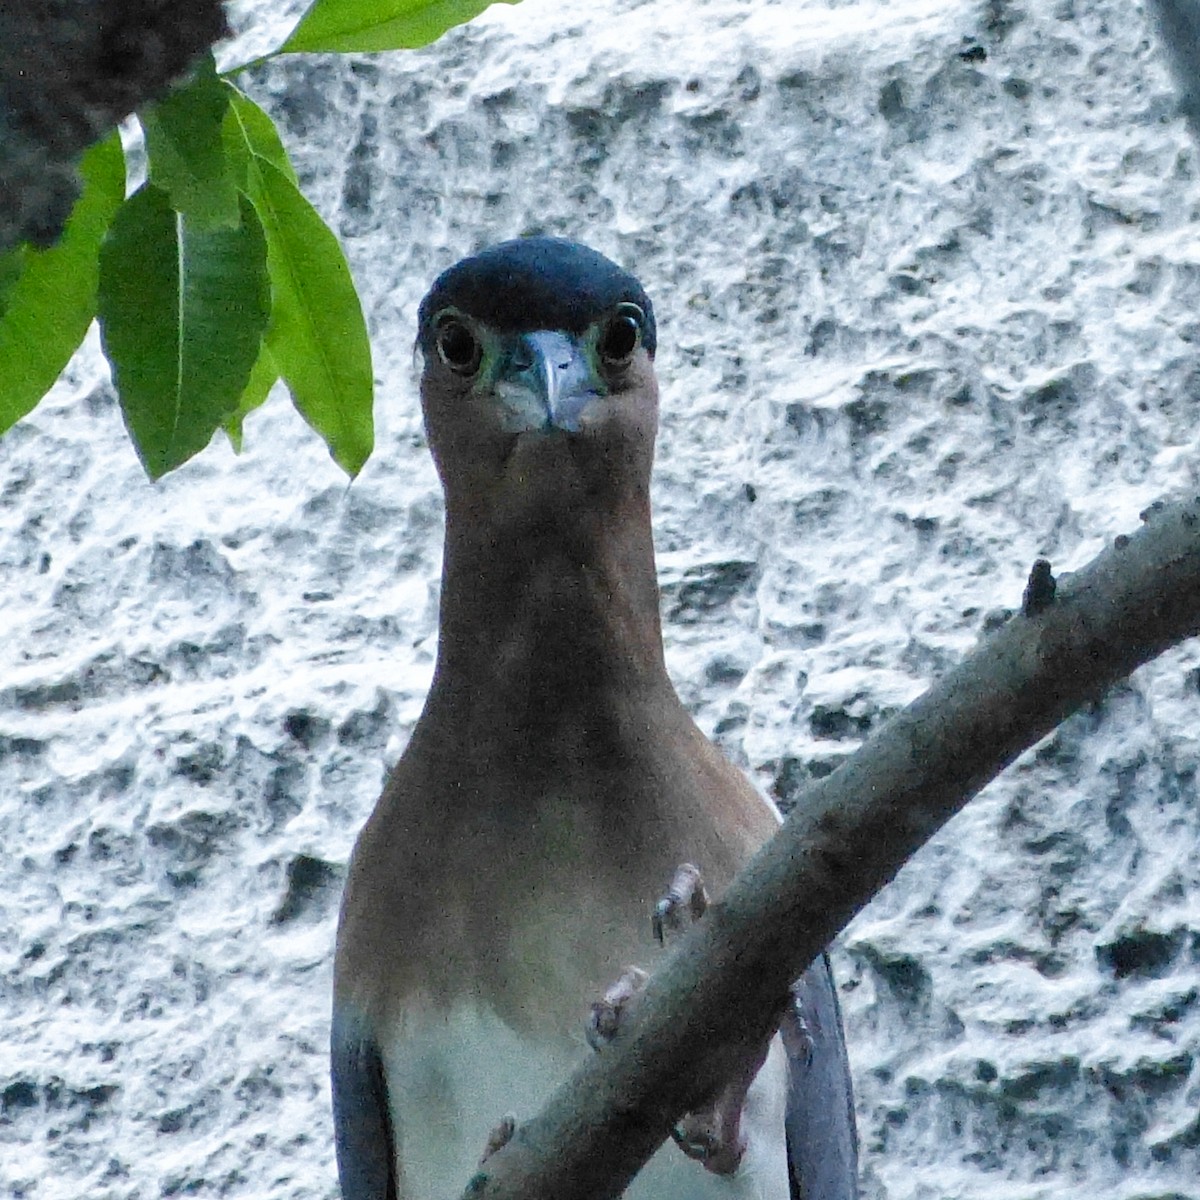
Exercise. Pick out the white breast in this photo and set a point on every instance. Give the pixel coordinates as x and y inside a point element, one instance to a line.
<point>451,1079</point>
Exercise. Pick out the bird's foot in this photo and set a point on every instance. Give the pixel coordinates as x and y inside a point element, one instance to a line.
<point>614,1006</point>
<point>684,904</point>
<point>706,1138</point>
<point>713,1135</point>
<point>797,1034</point>
<point>500,1136</point>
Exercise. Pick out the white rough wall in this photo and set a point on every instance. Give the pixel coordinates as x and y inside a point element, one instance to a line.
<point>927,277</point>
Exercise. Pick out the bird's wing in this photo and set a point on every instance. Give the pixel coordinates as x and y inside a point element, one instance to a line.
<point>362,1120</point>
<point>821,1137</point>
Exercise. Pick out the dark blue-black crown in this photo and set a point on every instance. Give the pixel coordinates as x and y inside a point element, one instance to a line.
<point>535,283</point>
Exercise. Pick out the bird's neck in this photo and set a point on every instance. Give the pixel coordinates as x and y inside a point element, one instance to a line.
<point>550,621</point>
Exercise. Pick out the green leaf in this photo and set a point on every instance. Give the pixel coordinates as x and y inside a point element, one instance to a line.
<point>343,25</point>
<point>317,337</point>
<point>247,131</point>
<point>49,305</point>
<point>263,378</point>
<point>187,151</point>
<point>182,313</point>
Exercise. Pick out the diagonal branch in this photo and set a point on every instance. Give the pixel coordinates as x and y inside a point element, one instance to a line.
<point>849,835</point>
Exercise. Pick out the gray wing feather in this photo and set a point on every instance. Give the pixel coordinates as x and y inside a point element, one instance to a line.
<point>363,1135</point>
<point>822,1138</point>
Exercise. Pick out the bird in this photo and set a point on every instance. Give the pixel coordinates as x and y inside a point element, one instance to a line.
<point>554,785</point>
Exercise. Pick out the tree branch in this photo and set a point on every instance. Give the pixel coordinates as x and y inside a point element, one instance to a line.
<point>848,836</point>
<point>71,70</point>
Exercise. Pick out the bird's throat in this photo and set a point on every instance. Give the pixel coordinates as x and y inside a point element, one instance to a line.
<point>549,623</point>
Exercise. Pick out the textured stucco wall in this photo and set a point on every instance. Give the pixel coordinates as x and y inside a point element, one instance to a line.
<point>927,277</point>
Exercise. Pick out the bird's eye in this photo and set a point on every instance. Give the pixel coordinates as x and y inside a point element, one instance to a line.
<point>458,347</point>
<point>621,335</point>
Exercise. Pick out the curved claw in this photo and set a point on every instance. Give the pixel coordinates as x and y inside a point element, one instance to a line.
<point>500,1136</point>
<point>685,903</point>
<point>718,1151</point>
<point>607,1013</point>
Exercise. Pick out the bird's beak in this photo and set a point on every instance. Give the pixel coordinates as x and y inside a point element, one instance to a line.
<point>546,382</point>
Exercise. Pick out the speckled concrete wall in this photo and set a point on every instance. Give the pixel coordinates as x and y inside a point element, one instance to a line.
<point>927,277</point>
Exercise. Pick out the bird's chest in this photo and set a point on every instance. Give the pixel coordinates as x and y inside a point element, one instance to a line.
<point>527,923</point>
<point>518,914</point>
<point>529,914</point>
